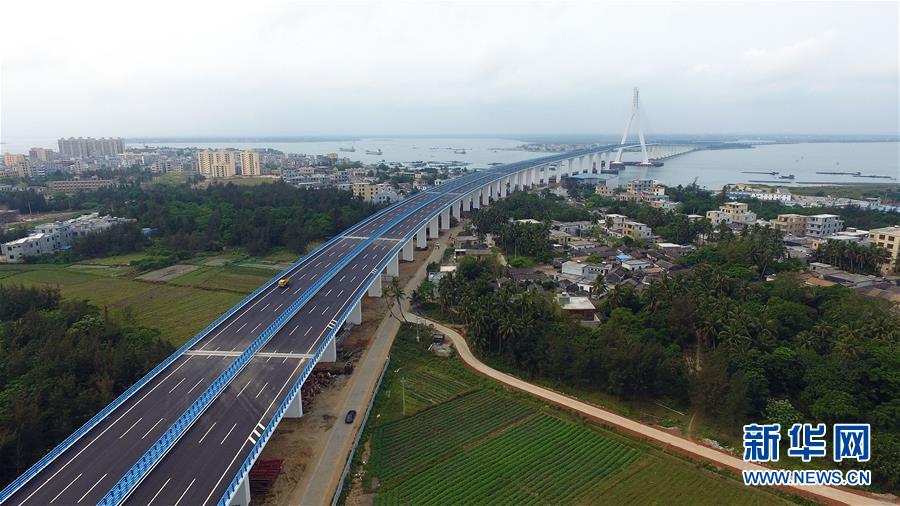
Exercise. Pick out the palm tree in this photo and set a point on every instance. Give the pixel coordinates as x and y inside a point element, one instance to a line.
<point>508,327</point>
<point>395,291</point>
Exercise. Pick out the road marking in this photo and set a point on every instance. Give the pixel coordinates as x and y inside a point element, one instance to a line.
<point>279,307</point>
<point>92,488</point>
<point>229,433</point>
<point>342,278</point>
<point>242,390</point>
<point>261,389</point>
<point>176,385</point>
<point>329,292</point>
<point>158,492</point>
<point>222,477</point>
<point>104,432</point>
<point>340,293</point>
<point>132,426</point>
<point>261,427</point>
<point>252,441</point>
<point>295,330</point>
<point>151,428</point>
<point>256,432</point>
<point>267,305</point>
<point>307,331</point>
<point>297,290</point>
<point>198,381</point>
<point>67,487</point>
<point>242,327</point>
<point>313,308</point>
<point>256,327</point>
<point>185,491</point>
<point>207,432</point>
<point>325,310</point>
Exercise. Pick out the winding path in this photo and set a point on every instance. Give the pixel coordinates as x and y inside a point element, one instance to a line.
<point>828,495</point>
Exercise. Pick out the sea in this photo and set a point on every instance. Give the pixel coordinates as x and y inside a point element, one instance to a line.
<point>709,168</point>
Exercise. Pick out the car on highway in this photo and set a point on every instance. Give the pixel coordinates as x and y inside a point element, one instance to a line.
<point>283,283</point>
<point>351,415</point>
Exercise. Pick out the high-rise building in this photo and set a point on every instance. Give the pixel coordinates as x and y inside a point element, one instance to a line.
<point>10,160</point>
<point>89,147</point>
<point>367,191</point>
<point>219,163</point>
<point>41,155</point>
<point>250,163</point>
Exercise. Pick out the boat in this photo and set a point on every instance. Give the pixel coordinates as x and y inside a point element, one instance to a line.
<point>758,172</point>
<point>789,176</point>
<point>351,149</point>
<point>376,152</point>
<point>459,151</point>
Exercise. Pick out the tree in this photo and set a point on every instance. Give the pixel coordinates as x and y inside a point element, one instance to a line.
<point>395,291</point>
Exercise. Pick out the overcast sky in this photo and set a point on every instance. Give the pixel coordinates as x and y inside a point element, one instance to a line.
<point>186,68</point>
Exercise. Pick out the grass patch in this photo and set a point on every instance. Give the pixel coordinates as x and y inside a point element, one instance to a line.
<point>178,312</point>
<point>231,278</point>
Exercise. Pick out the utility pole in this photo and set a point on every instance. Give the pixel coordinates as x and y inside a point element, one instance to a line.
<point>403,390</point>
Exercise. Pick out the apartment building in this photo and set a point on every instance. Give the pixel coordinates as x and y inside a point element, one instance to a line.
<point>79,185</point>
<point>889,239</point>
<point>790,224</point>
<point>732,212</point>
<point>636,230</point>
<point>250,165</point>
<point>88,147</point>
<point>52,237</point>
<point>640,186</point>
<point>823,225</point>
<point>366,191</point>
<point>219,163</point>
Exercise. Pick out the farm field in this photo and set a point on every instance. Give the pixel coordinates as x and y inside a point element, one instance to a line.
<point>488,445</point>
<point>178,312</point>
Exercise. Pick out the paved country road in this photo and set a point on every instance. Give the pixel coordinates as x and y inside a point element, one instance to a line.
<point>828,495</point>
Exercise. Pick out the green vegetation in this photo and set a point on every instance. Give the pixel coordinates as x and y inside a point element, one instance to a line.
<point>178,312</point>
<point>851,256</point>
<point>486,445</point>
<point>722,341</point>
<point>888,192</point>
<point>60,362</point>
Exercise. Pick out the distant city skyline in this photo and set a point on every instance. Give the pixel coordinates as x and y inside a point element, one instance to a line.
<point>442,69</point>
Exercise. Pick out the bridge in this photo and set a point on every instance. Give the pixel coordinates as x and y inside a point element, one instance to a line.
<point>189,431</point>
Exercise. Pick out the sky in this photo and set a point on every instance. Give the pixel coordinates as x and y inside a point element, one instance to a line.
<point>205,69</point>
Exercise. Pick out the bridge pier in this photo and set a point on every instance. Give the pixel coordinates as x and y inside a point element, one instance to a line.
<point>330,353</point>
<point>445,219</point>
<point>485,196</point>
<point>503,183</point>
<point>476,199</point>
<point>242,495</point>
<point>420,239</point>
<point>408,251</point>
<point>393,266</point>
<point>375,289</point>
<point>455,211</point>
<point>467,203</point>
<point>433,228</point>
<point>355,316</point>
<point>295,408</point>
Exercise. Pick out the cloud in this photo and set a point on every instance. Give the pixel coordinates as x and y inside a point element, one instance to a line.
<point>271,68</point>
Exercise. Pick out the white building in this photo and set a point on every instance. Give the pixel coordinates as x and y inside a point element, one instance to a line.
<point>53,237</point>
<point>823,225</point>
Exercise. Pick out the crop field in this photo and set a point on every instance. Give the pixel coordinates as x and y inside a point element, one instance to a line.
<point>541,460</point>
<point>405,446</point>
<point>230,278</point>
<point>682,483</point>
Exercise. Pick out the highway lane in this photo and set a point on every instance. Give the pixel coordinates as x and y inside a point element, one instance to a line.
<point>78,470</point>
<point>167,483</point>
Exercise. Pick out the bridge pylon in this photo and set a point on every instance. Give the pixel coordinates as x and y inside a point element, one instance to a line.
<point>634,119</point>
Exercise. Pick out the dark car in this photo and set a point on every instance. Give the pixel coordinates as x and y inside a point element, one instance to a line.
<point>351,415</point>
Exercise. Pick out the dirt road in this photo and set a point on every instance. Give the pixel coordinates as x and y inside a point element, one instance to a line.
<point>827,495</point>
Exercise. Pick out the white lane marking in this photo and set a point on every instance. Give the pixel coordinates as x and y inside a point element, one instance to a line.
<point>67,488</point>
<point>340,293</point>
<point>267,305</point>
<point>151,428</point>
<point>242,327</point>
<point>158,492</point>
<point>198,381</point>
<point>207,432</point>
<point>261,427</point>
<point>132,426</point>
<point>256,327</point>
<point>238,453</point>
<point>104,432</point>
<point>242,390</point>
<point>307,331</point>
<point>176,385</point>
<point>229,433</point>
<point>185,491</point>
<point>279,307</point>
<point>342,278</point>
<point>92,488</point>
<point>295,330</point>
<point>325,310</point>
<point>261,390</point>
<point>297,290</point>
<point>252,441</point>
<point>329,292</point>
<point>313,308</point>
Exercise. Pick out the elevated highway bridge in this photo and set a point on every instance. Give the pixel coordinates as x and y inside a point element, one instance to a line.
<point>190,430</point>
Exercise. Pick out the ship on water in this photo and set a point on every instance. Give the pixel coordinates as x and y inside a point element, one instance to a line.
<point>351,149</point>
<point>376,152</point>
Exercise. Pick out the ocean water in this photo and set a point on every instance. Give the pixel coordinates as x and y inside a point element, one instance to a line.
<point>710,168</point>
